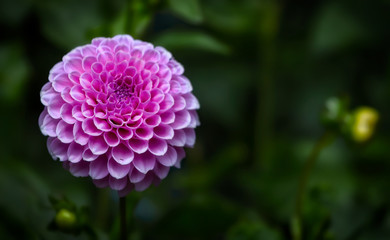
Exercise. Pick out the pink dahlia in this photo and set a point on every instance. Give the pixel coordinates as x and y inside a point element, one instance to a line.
<point>120,111</point>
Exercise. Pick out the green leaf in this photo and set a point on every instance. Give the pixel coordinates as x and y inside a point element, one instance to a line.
<point>14,71</point>
<point>248,229</point>
<point>187,9</point>
<point>67,23</point>
<point>185,40</point>
<point>336,29</point>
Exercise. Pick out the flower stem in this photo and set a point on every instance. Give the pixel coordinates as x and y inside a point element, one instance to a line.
<point>122,214</point>
<point>324,141</point>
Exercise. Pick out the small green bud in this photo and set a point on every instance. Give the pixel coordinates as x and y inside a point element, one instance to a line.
<point>334,111</point>
<point>65,219</point>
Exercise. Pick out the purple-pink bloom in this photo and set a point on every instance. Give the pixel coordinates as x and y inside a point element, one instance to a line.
<point>120,111</point>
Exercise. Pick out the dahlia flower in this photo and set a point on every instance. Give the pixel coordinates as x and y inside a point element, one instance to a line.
<point>120,111</point>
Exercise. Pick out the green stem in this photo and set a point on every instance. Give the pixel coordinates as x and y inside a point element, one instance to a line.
<point>324,141</point>
<point>122,214</point>
<point>269,14</point>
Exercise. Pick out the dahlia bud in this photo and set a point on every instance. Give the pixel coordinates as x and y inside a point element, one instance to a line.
<point>65,219</point>
<point>364,120</point>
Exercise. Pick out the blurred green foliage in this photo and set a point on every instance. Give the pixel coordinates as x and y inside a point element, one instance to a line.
<point>258,67</point>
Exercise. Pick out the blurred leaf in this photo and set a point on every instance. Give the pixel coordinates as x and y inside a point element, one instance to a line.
<point>185,40</point>
<point>336,29</point>
<point>252,229</point>
<point>14,71</point>
<point>13,11</point>
<point>235,17</point>
<point>189,10</point>
<point>66,23</point>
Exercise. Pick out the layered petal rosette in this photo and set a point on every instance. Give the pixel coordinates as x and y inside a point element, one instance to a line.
<point>120,111</point>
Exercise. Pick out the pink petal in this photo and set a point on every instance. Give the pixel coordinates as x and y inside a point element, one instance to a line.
<point>151,108</point>
<point>97,67</point>
<point>163,131</point>
<point>157,146</point>
<point>167,103</point>
<point>87,110</point>
<point>88,50</point>
<point>90,128</point>
<point>191,101</point>
<point>73,64</point>
<point>124,133</point>
<point>102,124</point>
<point>111,139</point>
<point>49,126</point>
<point>175,87</point>
<point>160,170</point>
<point>144,133</point>
<point>165,56</point>
<point>180,103</point>
<point>54,107</point>
<point>182,119</point>
<point>64,132</point>
<point>66,114</point>
<point>190,137</point>
<point>79,135</point>
<point>138,145</point>
<point>157,95</point>
<point>86,80</point>
<point>77,93</point>
<point>151,55</point>
<point>152,121</point>
<point>122,154</point>
<point>80,169</point>
<point>58,149</point>
<point>101,183</point>
<point>98,168</point>
<point>77,114</point>
<point>47,93</point>
<point>97,145</point>
<point>65,95</point>
<point>117,184</point>
<point>180,156</point>
<point>164,72</point>
<point>167,117</point>
<point>75,152</point>
<point>121,56</point>
<point>152,67</point>
<point>74,77</point>
<point>87,62</point>
<point>105,57</point>
<point>89,156</point>
<point>145,183</point>
<point>169,158</point>
<point>122,47</point>
<point>124,39</point>
<point>179,138</point>
<point>136,176</point>
<point>117,170</point>
<point>61,81</point>
<point>144,162</point>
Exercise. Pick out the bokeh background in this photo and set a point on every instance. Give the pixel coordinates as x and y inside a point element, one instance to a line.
<point>261,70</point>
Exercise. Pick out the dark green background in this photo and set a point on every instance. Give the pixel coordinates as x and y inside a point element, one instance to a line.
<point>261,70</point>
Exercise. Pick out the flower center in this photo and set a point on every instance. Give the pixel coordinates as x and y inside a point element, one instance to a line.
<point>121,92</point>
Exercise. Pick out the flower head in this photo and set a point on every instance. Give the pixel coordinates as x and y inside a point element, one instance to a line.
<point>120,111</point>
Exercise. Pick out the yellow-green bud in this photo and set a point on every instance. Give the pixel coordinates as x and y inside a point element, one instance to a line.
<point>363,125</point>
<point>65,219</point>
